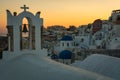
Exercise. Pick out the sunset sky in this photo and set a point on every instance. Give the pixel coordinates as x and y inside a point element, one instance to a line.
<point>61,12</point>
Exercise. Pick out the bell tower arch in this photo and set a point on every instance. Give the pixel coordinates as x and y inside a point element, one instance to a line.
<point>16,27</point>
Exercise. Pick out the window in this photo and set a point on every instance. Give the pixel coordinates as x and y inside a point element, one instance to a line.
<point>67,44</point>
<point>116,39</point>
<point>118,18</point>
<point>99,36</point>
<point>62,44</point>
<point>82,40</point>
<point>74,44</point>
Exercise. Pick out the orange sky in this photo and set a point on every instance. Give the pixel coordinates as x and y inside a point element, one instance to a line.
<point>61,12</point>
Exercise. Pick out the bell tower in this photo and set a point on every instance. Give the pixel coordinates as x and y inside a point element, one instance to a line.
<point>15,29</point>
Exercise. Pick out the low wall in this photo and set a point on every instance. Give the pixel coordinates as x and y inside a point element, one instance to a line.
<point>109,52</point>
<point>7,55</point>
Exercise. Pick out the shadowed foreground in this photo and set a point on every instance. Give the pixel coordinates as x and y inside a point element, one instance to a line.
<point>35,67</point>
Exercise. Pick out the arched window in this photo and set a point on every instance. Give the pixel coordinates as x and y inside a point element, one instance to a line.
<point>25,22</point>
<point>67,44</point>
<point>24,34</point>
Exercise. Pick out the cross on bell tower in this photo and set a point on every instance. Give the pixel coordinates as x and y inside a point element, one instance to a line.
<point>24,7</point>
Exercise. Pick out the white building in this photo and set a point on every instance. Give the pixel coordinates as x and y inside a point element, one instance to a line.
<point>103,34</point>
<point>64,49</point>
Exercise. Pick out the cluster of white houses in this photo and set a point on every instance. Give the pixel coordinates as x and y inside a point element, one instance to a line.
<point>101,34</point>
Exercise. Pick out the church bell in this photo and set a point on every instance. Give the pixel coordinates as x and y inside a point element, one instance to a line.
<point>24,28</point>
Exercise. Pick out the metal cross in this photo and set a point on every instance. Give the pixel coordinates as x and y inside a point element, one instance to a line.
<point>24,7</point>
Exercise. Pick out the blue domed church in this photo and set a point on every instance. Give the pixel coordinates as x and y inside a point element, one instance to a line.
<point>64,50</point>
<point>65,57</point>
<point>66,46</point>
<point>66,42</point>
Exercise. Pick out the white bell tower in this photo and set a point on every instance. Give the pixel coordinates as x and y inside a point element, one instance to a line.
<point>14,27</point>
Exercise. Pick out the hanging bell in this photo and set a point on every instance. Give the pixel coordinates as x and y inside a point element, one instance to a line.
<point>24,28</point>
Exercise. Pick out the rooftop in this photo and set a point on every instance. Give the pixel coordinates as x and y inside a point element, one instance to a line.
<point>35,67</point>
<point>66,38</point>
<point>101,64</point>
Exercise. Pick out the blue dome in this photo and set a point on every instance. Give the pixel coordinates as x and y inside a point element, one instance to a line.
<point>67,38</point>
<point>54,56</point>
<point>66,54</point>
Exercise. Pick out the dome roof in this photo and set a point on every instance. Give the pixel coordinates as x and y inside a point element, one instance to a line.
<point>102,64</point>
<point>66,38</point>
<point>54,56</point>
<point>66,54</point>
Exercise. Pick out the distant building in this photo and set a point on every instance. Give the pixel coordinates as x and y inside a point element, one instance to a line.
<point>101,34</point>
